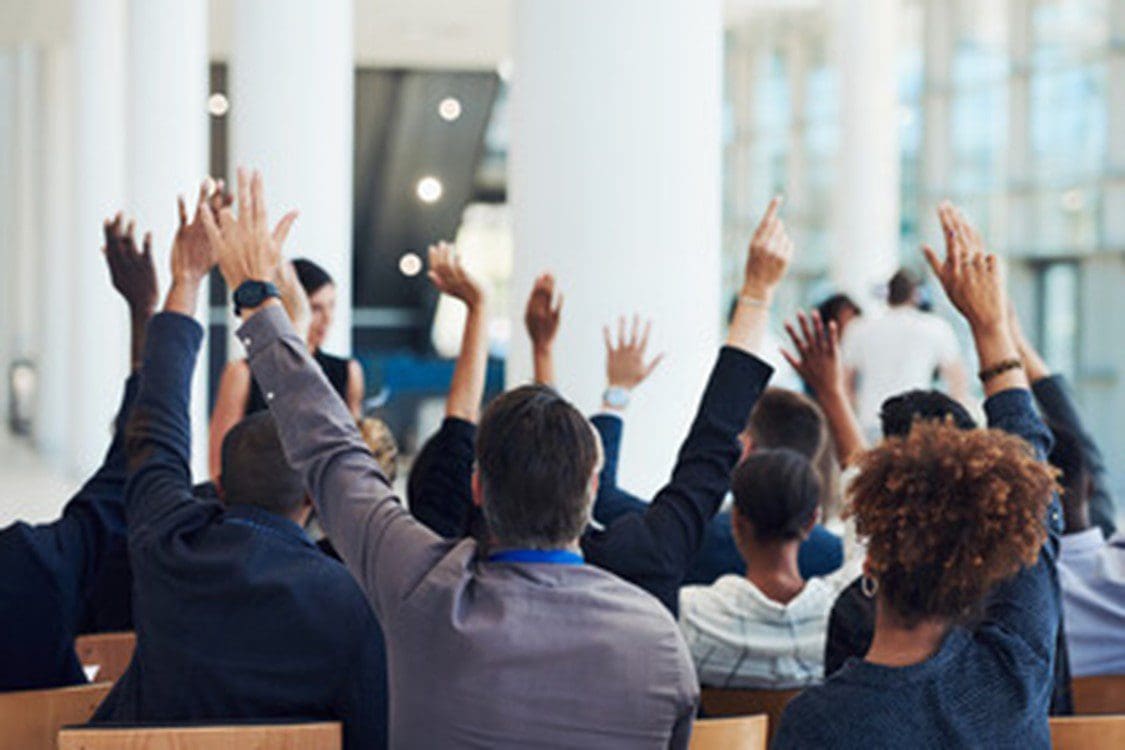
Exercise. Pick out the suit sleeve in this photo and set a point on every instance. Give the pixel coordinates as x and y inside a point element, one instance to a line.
<point>1057,403</point>
<point>612,502</point>
<point>439,491</point>
<point>158,438</point>
<point>384,547</point>
<point>678,515</point>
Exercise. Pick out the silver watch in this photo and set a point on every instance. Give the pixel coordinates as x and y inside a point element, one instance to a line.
<point>616,396</point>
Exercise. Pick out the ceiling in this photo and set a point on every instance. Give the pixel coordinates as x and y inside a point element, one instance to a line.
<point>441,34</point>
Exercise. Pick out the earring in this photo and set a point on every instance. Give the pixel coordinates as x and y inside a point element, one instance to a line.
<point>869,586</point>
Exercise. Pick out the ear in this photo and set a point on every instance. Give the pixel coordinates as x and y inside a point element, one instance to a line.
<point>747,444</point>
<point>739,526</point>
<point>478,493</point>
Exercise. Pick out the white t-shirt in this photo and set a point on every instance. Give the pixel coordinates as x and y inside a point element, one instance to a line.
<point>897,352</point>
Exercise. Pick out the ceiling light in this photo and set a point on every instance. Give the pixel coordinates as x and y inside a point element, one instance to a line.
<point>449,108</point>
<point>218,104</point>
<point>429,189</point>
<point>410,264</point>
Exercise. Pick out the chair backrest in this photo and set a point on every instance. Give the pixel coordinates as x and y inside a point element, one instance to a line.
<point>718,702</point>
<point>1104,694</point>
<point>308,736</point>
<point>1088,732</point>
<point>741,733</point>
<point>109,652</point>
<point>30,719</point>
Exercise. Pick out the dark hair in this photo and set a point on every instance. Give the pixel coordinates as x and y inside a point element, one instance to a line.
<point>254,468</point>
<point>831,308</point>
<point>777,491</point>
<point>899,413</point>
<point>536,455</point>
<point>948,514</point>
<point>311,276</point>
<point>787,419</point>
<point>902,287</point>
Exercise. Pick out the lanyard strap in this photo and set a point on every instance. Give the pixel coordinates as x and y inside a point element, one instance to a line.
<point>549,556</point>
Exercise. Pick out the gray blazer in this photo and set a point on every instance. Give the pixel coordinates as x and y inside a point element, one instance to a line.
<point>480,654</point>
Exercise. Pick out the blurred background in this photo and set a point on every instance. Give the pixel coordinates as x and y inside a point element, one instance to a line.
<point>629,146</point>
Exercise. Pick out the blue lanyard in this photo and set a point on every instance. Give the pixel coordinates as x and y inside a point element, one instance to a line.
<point>550,556</point>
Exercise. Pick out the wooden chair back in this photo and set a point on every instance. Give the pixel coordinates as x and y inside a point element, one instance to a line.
<point>109,652</point>
<point>1088,732</point>
<point>30,719</point>
<point>740,733</point>
<point>1103,694</point>
<point>721,702</point>
<point>310,736</point>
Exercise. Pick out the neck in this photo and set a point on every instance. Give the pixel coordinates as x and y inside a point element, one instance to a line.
<point>772,567</point>
<point>897,645</point>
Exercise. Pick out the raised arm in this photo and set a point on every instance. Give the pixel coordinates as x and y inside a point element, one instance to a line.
<point>542,317</point>
<point>1057,404</point>
<point>819,362</point>
<point>440,485</point>
<point>1028,603</point>
<point>92,525</point>
<point>679,513</point>
<point>384,547</point>
<point>467,387</point>
<point>159,434</point>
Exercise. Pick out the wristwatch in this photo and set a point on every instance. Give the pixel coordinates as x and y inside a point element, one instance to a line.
<point>616,397</point>
<point>252,294</point>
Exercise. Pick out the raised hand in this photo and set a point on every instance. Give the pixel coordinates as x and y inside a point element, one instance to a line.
<point>626,364</point>
<point>972,278</point>
<point>450,277</point>
<point>247,249</point>
<point>132,272</point>
<point>769,256</point>
<point>193,255</point>
<point>543,312</point>
<point>818,360</point>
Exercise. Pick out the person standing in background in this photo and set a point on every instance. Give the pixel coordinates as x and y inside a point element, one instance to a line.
<point>900,351</point>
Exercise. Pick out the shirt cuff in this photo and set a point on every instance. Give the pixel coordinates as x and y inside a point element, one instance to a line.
<point>458,429</point>
<point>610,415</point>
<point>264,328</point>
<point>1008,403</point>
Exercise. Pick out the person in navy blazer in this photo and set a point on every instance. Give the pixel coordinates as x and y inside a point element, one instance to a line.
<point>238,614</point>
<point>52,571</point>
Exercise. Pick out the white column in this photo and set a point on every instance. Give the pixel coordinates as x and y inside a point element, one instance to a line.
<point>865,211</point>
<point>167,149</point>
<point>55,356</point>
<point>100,320</point>
<point>615,184</point>
<point>292,93</point>
<point>8,234</point>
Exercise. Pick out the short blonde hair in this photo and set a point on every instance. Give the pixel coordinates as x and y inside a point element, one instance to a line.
<point>382,444</point>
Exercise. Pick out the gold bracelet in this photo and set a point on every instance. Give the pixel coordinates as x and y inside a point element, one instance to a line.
<point>1007,365</point>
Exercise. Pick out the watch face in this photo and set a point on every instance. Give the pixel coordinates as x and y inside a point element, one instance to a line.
<point>617,397</point>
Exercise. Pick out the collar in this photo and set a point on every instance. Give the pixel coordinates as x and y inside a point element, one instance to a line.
<point>1081,542</point>
<point>547,556</point>
<point>270,523</point>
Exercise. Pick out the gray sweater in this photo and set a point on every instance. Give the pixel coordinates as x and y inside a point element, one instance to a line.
<point>480,654</point>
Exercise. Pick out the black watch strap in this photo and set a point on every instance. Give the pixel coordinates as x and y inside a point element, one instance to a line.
<point>253,293</point>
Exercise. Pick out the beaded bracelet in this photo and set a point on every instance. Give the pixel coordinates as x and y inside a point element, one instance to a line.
<point>999,369</point>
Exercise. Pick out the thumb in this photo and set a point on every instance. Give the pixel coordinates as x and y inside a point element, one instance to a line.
<point>281,231</point>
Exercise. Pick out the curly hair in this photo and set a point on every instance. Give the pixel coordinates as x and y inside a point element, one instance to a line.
<point>949,514</point>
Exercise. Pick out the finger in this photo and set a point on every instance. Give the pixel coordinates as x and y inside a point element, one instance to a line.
<point>621,331</point>
<point>771,212</point>
<point>833,337</point>
<point>932,260</point>
<point>227,221</point>
<point>796,339</point>
<point>608,339</point>
<point>182,208</point>
<point>211,227</point>
<point>557,309</point>
<point>793,361</point>
<point>806,329</point>
<point>205,189</point>
<point>654,364</point>
<point>281,231</point>
<point>244,205</point>
<point>644,336</point>
<point>818,331</point>
<point>258,198</point>
<point>635,331</point>
<point>146,246</point>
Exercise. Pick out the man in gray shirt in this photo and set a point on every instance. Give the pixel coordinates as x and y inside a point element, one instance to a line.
<point>518,644</point>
